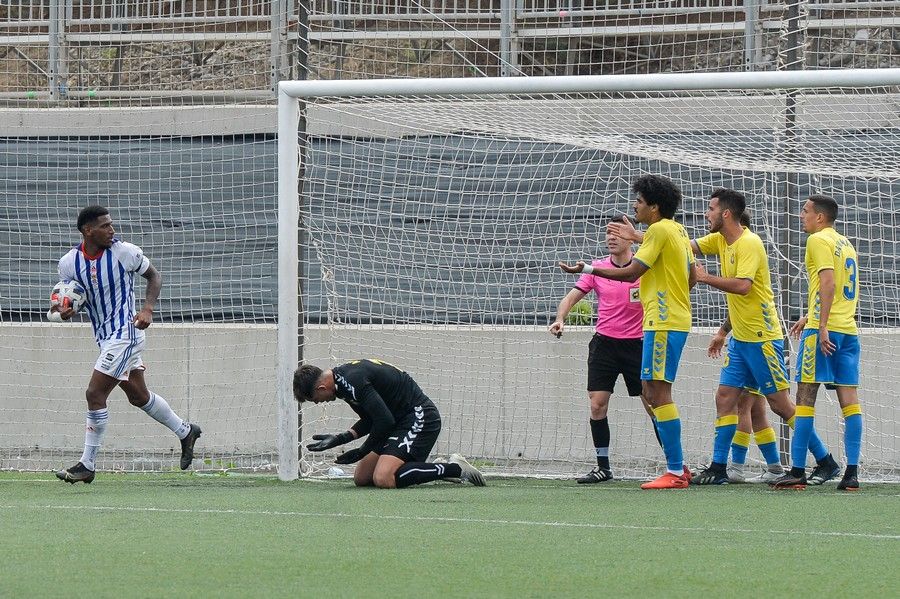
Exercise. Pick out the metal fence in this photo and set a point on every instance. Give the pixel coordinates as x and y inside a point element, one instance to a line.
<point>237,50</point>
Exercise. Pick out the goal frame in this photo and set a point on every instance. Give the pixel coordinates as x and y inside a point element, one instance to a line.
<point>291,93</point>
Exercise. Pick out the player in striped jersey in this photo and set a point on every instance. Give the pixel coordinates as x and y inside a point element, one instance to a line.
<point>105,266</point>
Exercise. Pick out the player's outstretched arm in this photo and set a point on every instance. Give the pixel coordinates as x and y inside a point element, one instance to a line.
<point>630,273</point>
<point>572,269</point>
<point>144,318</point>
<point>727,284</point>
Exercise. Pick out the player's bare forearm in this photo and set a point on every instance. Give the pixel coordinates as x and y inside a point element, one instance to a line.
<point>565,306</point>
<point>826,296</point>
<point>826,300</point>
<point>154,286</point>
<point>144,318</point>
<point>728,284</point>
<point>726,325</point>
<point>567,303</point>
<point>629,273</point>
<point>617,274</point>
<point>718,339</point>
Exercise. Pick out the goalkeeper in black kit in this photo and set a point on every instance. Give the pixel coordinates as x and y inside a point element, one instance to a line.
<point>402,425</point>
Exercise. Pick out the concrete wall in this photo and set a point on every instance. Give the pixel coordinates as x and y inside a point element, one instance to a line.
<point>512,395</point>
<point>380,119</point>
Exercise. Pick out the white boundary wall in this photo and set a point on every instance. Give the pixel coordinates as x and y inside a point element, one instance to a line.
<point>555,404</point>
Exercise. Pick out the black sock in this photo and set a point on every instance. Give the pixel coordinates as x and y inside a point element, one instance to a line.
<point>416,473</point>
<point>717,467</point>
<point>798,472</point>
<point>600,435</point>
<point>851,471</point>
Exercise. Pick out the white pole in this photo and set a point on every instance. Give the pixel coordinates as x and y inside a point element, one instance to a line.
<point>288,285</point>
<point>594,83</point>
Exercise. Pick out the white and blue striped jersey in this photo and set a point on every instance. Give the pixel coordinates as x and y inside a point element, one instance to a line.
<point>108,278</point>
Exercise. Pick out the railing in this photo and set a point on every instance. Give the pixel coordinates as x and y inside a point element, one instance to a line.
<point>506,30</point>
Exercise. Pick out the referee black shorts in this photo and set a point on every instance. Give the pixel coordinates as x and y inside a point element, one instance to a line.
<point>414,435</point>
<point>609,357</point>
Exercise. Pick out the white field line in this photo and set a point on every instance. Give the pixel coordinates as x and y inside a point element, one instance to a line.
<point>450,520</point>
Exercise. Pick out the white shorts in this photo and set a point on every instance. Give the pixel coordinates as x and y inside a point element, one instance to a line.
<point>118,357</point>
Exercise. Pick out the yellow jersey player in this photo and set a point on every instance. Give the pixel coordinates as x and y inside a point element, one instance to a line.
<point>753,421</point>
<point>665,266</point>
<point>755,354</point>
<point>829,343</point>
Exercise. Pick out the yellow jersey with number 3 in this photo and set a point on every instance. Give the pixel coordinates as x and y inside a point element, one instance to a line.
<point>826,250</point>
<point>665,287</point>
<point>753,316</point>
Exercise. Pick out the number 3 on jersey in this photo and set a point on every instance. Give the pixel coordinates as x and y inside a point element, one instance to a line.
<point>850,287</point>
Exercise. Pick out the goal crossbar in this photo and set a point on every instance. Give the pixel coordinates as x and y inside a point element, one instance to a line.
<point>591,83</point>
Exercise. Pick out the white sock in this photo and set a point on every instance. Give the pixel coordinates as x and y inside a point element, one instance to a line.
<point>158,409</point>
<point>94,428</point>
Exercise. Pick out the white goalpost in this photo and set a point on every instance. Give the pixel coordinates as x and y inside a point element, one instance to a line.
<point>424,219</point>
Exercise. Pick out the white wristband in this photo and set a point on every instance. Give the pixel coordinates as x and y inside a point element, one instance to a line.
<point>587,269</point>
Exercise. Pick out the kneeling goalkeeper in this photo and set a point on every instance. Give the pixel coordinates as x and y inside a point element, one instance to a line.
<point>400,420</point>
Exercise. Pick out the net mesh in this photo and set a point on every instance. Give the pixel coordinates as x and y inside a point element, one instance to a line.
<point>433,245</point>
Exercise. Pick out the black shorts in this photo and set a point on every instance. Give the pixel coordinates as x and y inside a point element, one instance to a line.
<point>609,357</point>
<point>414,435</point>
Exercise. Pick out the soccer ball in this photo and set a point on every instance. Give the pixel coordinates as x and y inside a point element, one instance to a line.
<point>68,294</point>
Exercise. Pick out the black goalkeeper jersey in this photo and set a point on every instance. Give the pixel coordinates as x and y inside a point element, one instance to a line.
<point>381,394</point>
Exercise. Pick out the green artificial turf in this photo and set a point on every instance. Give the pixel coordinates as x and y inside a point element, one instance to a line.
<point>191,535</point>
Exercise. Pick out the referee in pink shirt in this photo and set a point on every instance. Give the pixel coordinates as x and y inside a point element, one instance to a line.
<point>615,349</point>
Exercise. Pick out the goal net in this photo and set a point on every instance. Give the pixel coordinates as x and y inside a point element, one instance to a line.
<point>432,215</point>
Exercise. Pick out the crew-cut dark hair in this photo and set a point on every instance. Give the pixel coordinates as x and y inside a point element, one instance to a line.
<point>825,205</point>
<point>89,214</point>
<point>658,190</point>
<point>305,379</point>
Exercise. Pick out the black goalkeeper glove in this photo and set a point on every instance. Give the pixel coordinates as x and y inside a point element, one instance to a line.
<point>351,457</point>
<point>328,441</point>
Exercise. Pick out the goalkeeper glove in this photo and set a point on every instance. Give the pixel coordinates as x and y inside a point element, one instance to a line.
<point>351,457</point>
<point>328,441</point>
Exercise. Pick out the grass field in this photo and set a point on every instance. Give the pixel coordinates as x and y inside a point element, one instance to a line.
<point>189,535</point>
